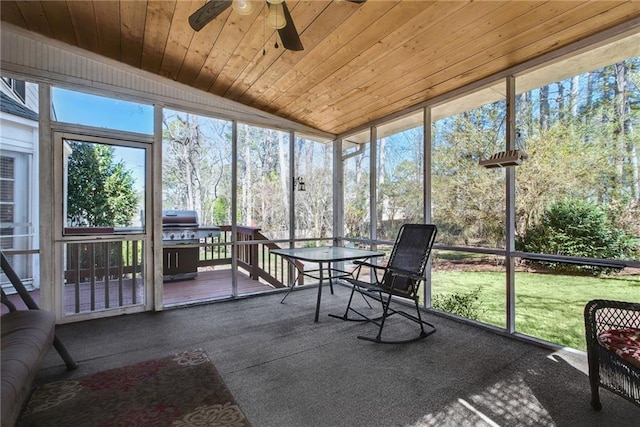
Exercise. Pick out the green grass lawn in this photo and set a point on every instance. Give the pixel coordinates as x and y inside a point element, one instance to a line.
<point>548,306</point>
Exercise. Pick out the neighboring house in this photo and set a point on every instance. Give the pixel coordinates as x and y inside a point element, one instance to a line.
<point>19,175</point>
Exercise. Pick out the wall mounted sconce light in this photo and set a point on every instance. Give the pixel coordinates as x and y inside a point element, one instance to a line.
<point>298,184</point>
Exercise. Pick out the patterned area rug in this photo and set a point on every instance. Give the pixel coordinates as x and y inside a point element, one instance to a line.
<point>181,390</point>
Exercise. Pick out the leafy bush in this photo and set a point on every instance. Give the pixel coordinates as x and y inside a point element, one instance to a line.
<point>577,228</point>
<point>465,304</point>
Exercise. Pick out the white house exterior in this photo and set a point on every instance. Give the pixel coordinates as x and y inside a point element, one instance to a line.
<point>19,161</point>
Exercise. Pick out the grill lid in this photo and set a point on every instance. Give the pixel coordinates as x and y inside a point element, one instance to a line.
<point>179,218</point>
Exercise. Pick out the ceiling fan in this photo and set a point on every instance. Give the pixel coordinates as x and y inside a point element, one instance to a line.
<point>278,18</point>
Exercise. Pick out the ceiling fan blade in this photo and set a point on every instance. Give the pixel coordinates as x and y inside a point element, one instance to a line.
<point>207,13</point>
<point>289,34</point>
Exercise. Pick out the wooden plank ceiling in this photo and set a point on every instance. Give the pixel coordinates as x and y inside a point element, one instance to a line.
<point>360,61</point>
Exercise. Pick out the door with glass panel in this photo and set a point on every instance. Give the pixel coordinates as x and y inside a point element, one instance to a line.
<point>103,244</point>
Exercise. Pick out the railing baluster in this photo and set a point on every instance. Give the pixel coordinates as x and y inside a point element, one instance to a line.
<point>120,274</point>
<point>107,303</point>
<point>216,249</point>
<point>92,274</point>
<point>77,281</point>
<point>253,257</point>
<point>134,256</point>
<point>227,247</point>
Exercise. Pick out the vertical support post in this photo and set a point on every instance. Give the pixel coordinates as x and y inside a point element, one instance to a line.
<point>426,196</point>
<point>338,198</point>
<point>426,167</point>
<point>234,208</point>
<point>292,193</point>
<point>291,270</point>
<point>373,186</point>
<point>338,193</point>
<point>154,206</point>
<point>51,299</point>
<point>510,186</point>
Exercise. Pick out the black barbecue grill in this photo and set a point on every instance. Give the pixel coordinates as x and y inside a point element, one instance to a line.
<point>181,234</point>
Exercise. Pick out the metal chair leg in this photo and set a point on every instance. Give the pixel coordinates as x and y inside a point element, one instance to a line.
<point>345,316</point>
<point>362,317</point>
<point>64,354</point>
<point>365,299</point>
<point>388,311</point>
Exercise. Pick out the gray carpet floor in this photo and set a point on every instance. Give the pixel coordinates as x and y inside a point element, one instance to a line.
<point>286,370</point>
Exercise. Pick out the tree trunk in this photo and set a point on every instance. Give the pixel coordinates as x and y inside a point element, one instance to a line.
<point>544,107</point>
<point>575,92</point>
<point>634,155</point>
<point>383,200</point>
<point>195,144</point>
<point>621,124</point>
<point>283,167</point>
<point>561,102</point>
<point>247,200</point>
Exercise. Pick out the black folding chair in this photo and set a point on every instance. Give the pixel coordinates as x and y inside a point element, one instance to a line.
<point>401,277</point>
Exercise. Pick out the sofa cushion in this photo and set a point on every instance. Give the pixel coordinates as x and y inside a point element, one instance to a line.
<point>27,336</point>
<point>623,342</point>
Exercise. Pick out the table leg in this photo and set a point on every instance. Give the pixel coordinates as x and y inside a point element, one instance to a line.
<point>319,294</point>
<point>330,277</point>
<point>292,284</point>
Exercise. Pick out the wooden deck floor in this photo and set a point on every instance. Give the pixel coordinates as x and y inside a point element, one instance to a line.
<point>208,285</point>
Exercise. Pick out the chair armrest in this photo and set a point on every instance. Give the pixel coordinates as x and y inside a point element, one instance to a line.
<point>405,273</point>
<point>360,264</point>
<point>368,264</point>
<point>604,315</point>
<point>7,302</point>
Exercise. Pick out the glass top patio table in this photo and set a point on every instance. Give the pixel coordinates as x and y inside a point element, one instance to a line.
<point>324,256</point>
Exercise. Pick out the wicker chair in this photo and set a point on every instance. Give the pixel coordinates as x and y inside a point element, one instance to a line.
<point>613,348</point>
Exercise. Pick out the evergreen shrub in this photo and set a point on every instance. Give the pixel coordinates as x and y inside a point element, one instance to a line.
<point>465,304</point>
<point>577,228</point>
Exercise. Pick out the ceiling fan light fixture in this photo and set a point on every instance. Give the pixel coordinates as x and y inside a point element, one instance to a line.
<point>275,18</point>
<point>242,7</point>
<point>275,1</point>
